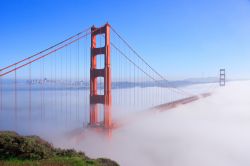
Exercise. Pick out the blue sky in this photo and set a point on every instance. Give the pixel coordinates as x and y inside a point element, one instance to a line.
<point>181,38</point>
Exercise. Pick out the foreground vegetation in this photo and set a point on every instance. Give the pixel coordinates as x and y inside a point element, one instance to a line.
<point>32,150</point>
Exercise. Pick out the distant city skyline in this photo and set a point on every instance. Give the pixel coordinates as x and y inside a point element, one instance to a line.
<point>181,39</point>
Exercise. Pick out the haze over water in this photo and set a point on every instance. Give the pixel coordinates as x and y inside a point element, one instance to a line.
<point>64,121</point>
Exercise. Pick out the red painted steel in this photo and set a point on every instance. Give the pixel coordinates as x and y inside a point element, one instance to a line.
<point>96,98</point>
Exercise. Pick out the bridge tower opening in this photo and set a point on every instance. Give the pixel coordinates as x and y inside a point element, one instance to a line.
<point>222,77</point>
<point>105,72</point>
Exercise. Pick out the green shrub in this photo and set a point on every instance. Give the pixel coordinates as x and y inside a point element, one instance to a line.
<point>32,149</point>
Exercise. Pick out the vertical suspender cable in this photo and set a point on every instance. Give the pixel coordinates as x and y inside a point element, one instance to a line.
<point>15,95</point>
<point>41,93</point>
<point>1,93</point>
<point>61,84</point>
<point>55,84</point>
<point>43,84</point>
<point>70,80</point>
<point>85,72</point>
<point>78,78</point>
<point>121,90</point>
<point>51,82</point>
<point>131,83</point>
<point>30,82</point>
<point>134,84</point>
<point>66,85</point>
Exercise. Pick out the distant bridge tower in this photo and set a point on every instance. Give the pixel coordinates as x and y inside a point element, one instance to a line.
<point>222,77</point>
<point>96,98</point>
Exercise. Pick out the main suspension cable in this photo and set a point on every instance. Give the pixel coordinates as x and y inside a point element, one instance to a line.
<point>140,57</point>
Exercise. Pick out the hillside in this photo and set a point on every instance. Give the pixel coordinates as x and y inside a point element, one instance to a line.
<point>32,150</point>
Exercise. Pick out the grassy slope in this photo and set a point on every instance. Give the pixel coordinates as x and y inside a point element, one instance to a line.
<point>32,150</point>
<point>66,161</point>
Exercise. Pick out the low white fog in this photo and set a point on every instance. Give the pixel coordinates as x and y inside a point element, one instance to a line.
<point>209,131</point>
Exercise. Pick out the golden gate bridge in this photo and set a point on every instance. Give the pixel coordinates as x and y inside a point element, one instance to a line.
<point>96,70</point>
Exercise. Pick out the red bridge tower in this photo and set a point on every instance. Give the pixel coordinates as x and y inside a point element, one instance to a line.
<point>96,98</point>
